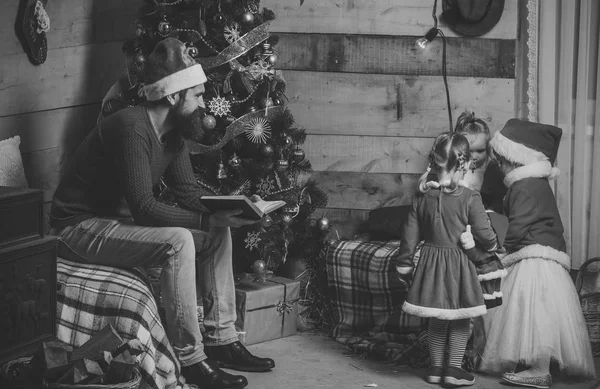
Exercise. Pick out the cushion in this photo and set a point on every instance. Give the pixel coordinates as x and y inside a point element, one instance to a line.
<point>365,290</point>
<point>386,223</point>
<point>11,165</point>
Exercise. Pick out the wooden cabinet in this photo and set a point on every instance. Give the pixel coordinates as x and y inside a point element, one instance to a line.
<point>21,217</point>
<point>27,274</point>
<point>27,296</point>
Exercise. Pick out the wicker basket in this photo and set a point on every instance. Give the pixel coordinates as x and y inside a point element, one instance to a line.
<point>133,383</point>
<point>590,305</point>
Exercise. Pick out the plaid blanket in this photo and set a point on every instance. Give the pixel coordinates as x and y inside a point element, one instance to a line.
<point>93,296</point>
<point>367,297</point>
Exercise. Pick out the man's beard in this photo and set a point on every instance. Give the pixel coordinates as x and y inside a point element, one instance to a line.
<point>189,125</point>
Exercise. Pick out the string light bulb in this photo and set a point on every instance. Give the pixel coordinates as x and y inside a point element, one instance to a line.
<point>424,41</point>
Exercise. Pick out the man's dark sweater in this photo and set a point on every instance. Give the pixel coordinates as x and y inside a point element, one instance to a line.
<point>114,171</point>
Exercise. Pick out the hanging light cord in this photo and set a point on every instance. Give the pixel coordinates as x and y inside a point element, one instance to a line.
<point>445,78</point>
<point>444,70</point>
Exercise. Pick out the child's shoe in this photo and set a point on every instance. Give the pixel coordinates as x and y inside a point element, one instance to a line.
<point>458,377</point>
<point>541,382</point>
<point>434,374</point>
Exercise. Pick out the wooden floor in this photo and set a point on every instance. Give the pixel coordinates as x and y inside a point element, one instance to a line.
<point>313,361</point>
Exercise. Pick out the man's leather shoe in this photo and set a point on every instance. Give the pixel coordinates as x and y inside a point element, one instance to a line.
<point>236,357</point>
<point>207,375</point>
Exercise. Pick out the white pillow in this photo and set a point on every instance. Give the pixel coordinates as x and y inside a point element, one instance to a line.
<point>11,165</point>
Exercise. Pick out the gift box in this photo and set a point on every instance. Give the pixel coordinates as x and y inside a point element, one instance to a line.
<point>266,309</point>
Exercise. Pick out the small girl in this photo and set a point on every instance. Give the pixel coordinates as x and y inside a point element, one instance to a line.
<point>482,175</point>
<point>445,287</point>
<point>541,319</point>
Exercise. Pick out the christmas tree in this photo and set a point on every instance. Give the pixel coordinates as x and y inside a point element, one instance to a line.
<point>254,147</point>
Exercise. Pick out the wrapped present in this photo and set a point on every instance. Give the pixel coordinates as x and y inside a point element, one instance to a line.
<point>266,310</point>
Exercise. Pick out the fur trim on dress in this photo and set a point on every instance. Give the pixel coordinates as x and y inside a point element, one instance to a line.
<point>500,273</point>
<point>538,251</point>
<point>541,169</point>
<point>183,79</point>
<point>404,269</point>
<point>444,314</point>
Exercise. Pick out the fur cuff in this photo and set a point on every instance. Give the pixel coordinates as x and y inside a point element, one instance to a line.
<point>515,152</point>
<point>183,79</point>
<point>500,273</point>
<point>538,251</point>
<point>542,169</point>
<point>493,296</point>
<point>444,314</point>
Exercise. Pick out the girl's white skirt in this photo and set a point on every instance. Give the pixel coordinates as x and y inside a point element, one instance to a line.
<point>540,318</point>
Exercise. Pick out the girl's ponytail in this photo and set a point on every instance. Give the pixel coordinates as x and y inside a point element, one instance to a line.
<point>464,122</point>
<point>423,180</point>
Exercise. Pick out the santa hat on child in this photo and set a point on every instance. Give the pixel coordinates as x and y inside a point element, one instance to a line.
<point>170,69</point>
<point>524,142</point>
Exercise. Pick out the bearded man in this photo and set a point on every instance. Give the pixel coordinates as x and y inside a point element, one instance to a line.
<point>105,211</point>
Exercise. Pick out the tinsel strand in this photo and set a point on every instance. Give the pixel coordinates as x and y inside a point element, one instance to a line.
<point>245,98</point>
<point>280,191</point>
<point>127,71</point>
<point>196,33</point>
<point>175,2</point>
<point>207,186</point>
<point>278,181</point>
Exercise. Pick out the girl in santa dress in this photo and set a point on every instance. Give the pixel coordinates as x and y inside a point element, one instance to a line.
<point>445,287</point>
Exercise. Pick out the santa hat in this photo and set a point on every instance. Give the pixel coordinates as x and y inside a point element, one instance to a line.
<point>170,69</point>
<point>525,142</point>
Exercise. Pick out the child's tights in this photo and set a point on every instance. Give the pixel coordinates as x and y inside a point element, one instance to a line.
<point>455,333</point>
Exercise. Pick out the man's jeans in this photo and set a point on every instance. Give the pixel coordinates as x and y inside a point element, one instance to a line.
<point>120,243</point>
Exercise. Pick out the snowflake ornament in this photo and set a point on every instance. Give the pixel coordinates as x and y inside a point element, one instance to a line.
<point>220,106</point>
<point>258,130</point>
<point>232,32</point>
<point>264,186</point>
<point>259,69</point>
<point>252,240</point>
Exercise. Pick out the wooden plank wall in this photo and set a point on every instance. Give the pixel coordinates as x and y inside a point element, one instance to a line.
<point>372,102</point>
<point>53,105</point>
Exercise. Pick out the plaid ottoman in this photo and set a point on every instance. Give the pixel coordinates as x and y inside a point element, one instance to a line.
<point>365,290</point>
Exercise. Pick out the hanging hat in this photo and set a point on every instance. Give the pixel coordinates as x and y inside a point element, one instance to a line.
<point>170,69</point>
<point>525,142</point>
<point>472,17</point>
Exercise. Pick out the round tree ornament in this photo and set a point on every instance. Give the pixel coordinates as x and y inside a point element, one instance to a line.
<point>259,267</point>
<point>323,223</point>
<point>209,122</point>
<point>248,17</point>
<point>193,51</point>
<point>298,155</point>
<point>267,150</point>
<point>164,28</point>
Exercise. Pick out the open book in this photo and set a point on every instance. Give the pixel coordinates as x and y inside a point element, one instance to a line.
<point>252,210</point>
